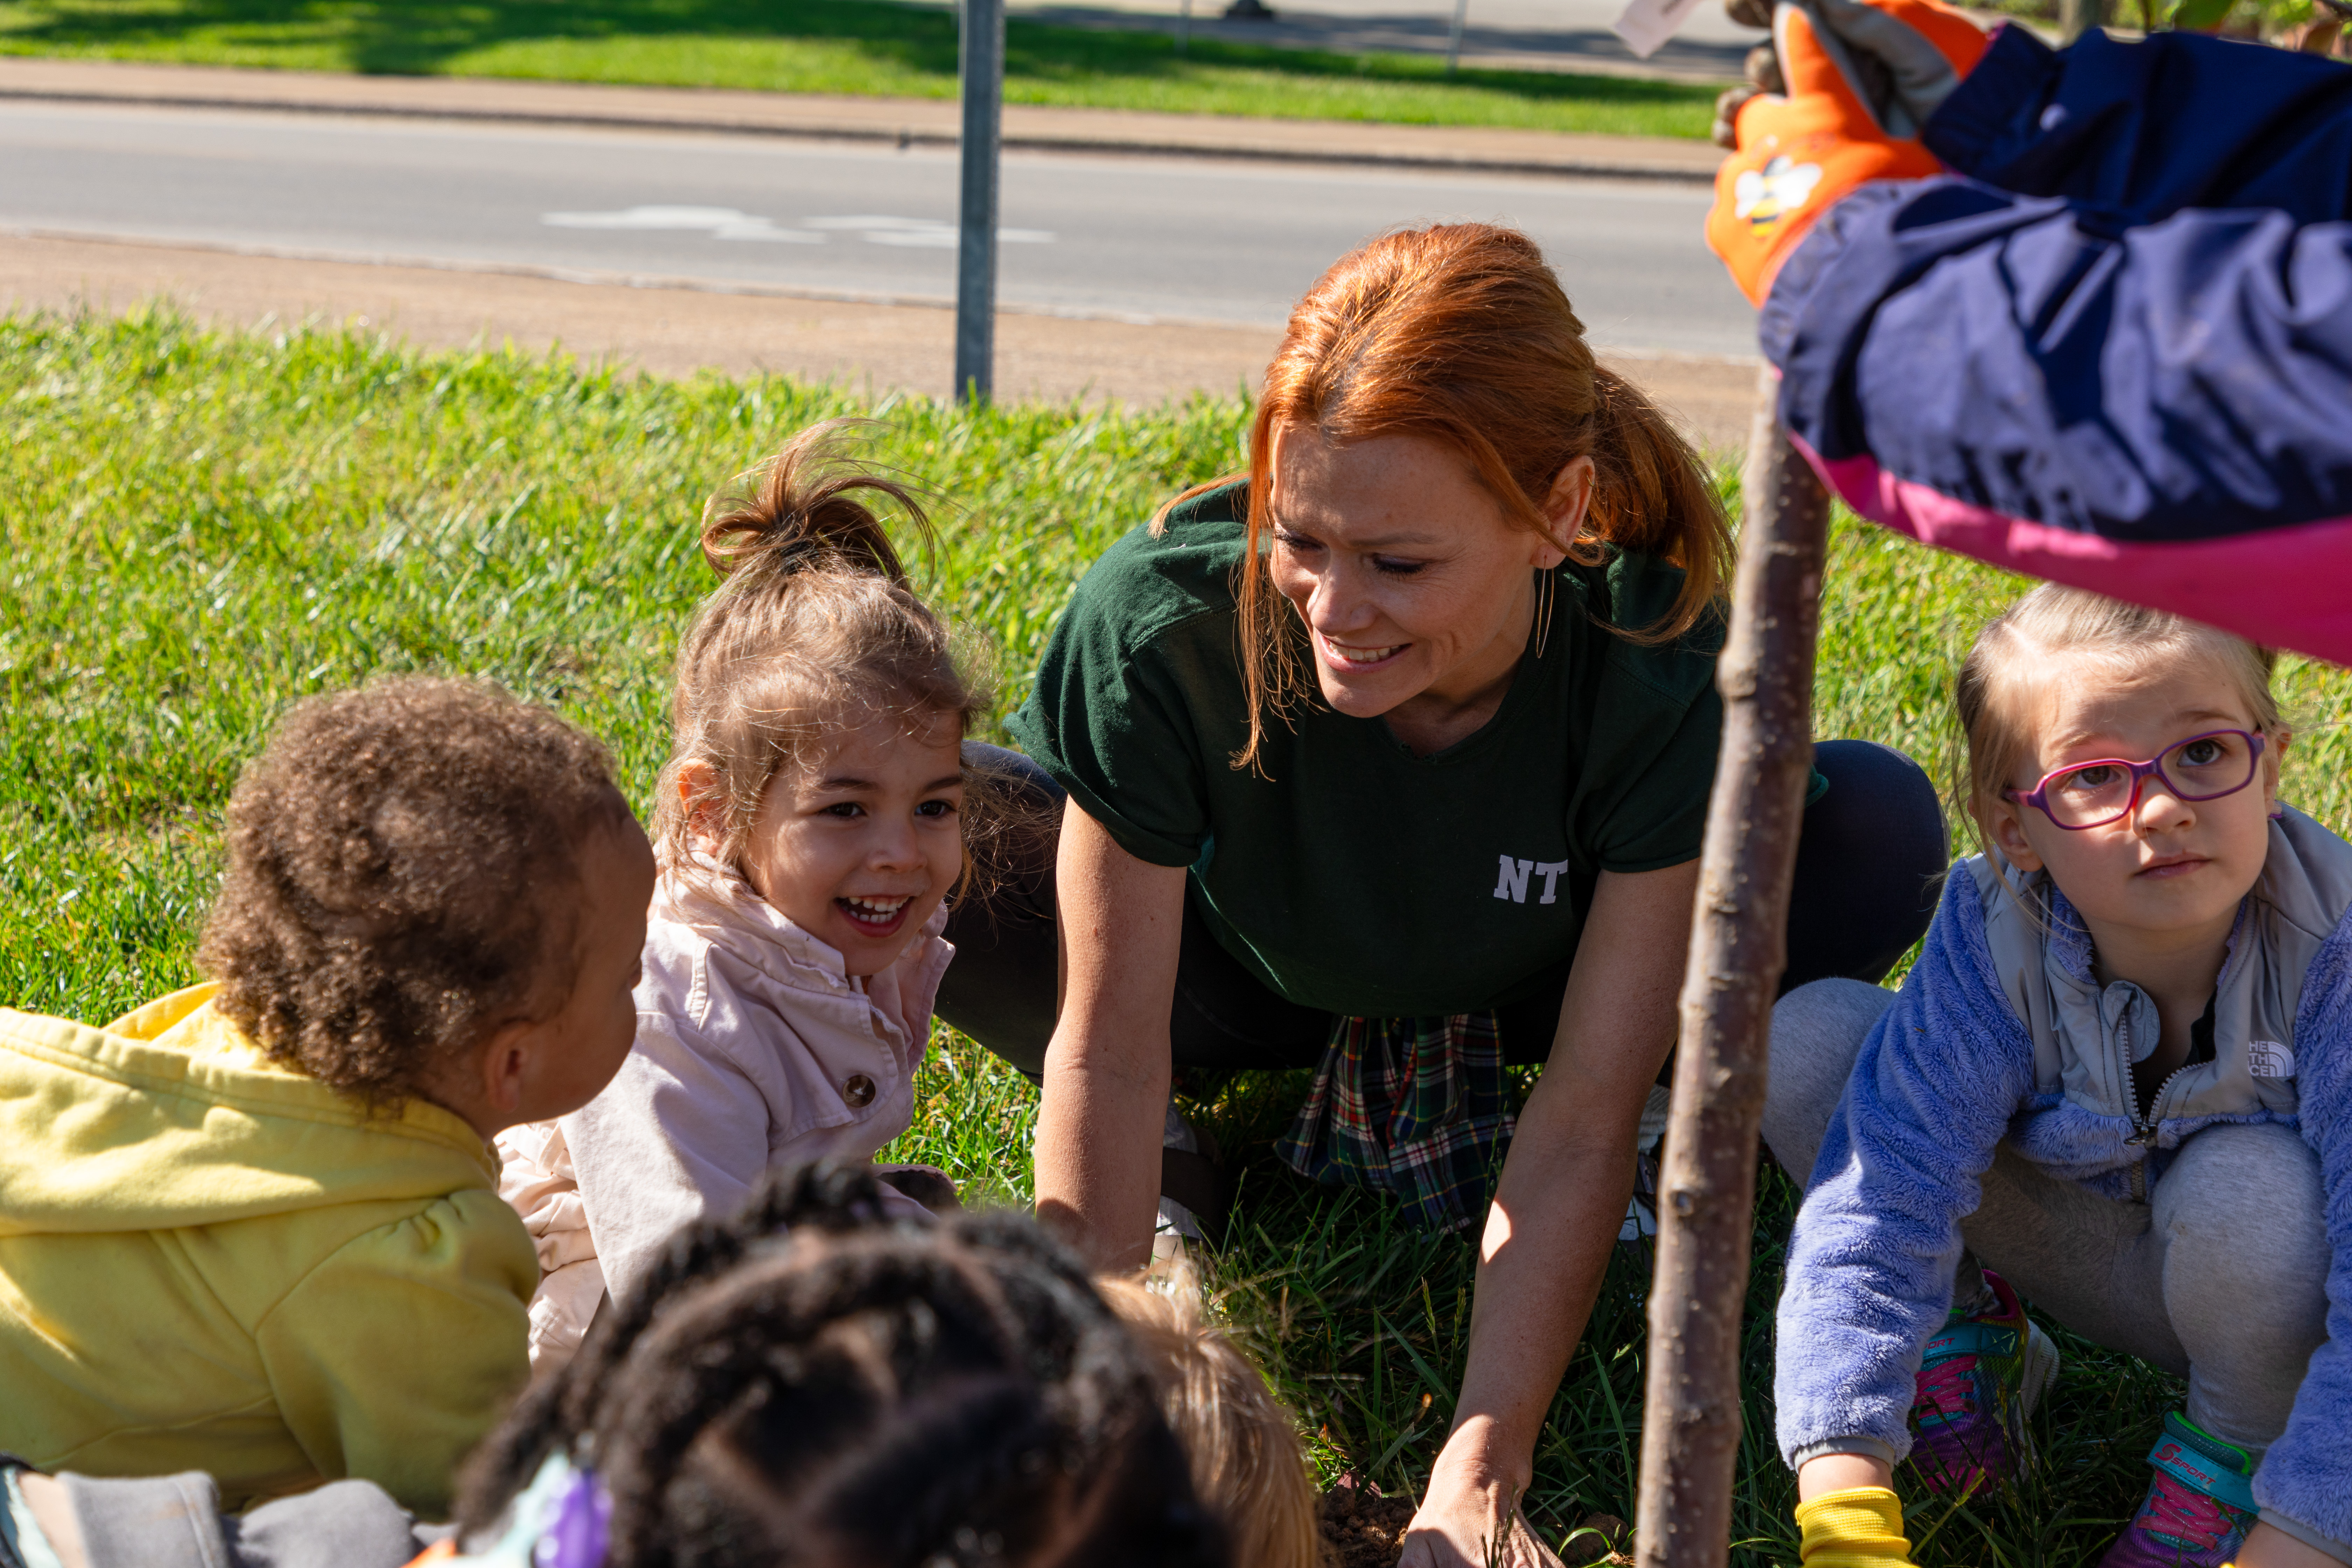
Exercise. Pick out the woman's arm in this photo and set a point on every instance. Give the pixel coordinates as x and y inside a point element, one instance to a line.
<point>1106,1100</point>
<point>1557,1208</point>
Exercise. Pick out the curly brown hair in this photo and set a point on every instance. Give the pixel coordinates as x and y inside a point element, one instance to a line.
<point>404,867</point>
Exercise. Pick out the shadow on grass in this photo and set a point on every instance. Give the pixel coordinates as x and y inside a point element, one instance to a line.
<point>415,37</point>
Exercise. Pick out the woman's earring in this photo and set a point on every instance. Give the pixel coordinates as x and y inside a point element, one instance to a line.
<point>1546,589</point>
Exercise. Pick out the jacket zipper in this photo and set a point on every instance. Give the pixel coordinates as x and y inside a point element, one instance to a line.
<point>2143,1129</point>
<point>2143,1136</point>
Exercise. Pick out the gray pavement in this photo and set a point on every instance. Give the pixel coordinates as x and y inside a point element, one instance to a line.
<point>1128,238</point>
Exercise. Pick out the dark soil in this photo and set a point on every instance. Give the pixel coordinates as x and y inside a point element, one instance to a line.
<point>1602,1538</point>
<point>1364,1531</point>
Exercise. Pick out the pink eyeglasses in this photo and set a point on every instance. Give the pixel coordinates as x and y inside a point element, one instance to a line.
<point>2092,794</point>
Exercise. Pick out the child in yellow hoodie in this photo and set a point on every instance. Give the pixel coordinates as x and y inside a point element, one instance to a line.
<point>254,1227</point>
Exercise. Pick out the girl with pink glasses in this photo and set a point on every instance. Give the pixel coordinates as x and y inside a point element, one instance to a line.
<point>2118,1083</point>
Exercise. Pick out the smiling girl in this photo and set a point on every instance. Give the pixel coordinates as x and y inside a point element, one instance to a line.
<point>810,824</point>
<point>2117,1083</point>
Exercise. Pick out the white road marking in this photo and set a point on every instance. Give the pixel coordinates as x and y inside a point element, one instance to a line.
<point>883,228</point>
<point>722,223</point>
<point>727,223</point>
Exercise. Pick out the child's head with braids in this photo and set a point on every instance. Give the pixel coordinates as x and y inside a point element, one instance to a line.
<point>811,1383</point>
<point>819,710</point>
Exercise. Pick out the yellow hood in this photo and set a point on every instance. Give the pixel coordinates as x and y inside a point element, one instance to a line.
<point>169,1117</point>
<point>211,1262</point>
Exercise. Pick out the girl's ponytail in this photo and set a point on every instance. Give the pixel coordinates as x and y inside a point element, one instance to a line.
<point>801,508</point>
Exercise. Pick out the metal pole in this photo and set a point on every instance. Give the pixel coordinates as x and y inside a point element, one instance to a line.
<point>1185,28</point>
<point>1706,1191</point>
<point>984,123</point>
<point>1454,43</point>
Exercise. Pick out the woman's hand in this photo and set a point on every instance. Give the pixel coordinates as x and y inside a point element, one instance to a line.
<point>1100,1125</point>
<point>1469,1506</point>
<point>1557,1208</point>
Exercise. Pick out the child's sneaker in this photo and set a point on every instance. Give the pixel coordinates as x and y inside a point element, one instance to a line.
<point>2197,1508</point>
<point>1978,1382</point>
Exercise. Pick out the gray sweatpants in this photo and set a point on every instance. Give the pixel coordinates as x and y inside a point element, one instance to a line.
<point>2220,1277</point>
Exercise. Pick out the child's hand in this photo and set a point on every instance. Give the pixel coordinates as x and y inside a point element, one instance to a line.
<point>1860,1527</point>
<point>2269,1548</point>
<point>1858,81</point>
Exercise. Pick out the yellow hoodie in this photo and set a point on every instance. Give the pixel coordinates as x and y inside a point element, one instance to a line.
<point>208,1262</point>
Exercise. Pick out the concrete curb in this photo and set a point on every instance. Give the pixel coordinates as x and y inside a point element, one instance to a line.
<point>599,277</point>
<point>902,123</point>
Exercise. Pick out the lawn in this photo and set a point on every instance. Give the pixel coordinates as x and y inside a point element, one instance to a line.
<point>860,47</point>
<point>199,528</point>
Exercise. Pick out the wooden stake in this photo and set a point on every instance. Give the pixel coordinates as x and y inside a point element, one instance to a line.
<point>1707,1190</point>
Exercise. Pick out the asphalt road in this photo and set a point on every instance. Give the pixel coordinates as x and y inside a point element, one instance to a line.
<point>1130,237</point>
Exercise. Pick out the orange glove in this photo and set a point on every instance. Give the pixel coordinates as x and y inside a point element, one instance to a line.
<point>1861,76</point>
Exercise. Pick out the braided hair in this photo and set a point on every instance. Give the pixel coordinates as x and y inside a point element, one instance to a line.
<point>811,1382</point>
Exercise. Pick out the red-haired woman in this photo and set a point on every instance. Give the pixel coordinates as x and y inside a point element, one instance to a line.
<point>1392,755</point>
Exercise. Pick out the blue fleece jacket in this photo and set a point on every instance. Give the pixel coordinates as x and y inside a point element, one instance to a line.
<point>1947,1074</point>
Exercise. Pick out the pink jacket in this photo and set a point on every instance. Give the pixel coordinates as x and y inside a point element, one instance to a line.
<point>753,1049</point>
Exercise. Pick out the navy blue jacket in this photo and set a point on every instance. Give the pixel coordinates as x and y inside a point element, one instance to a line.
<point>2114,348</point>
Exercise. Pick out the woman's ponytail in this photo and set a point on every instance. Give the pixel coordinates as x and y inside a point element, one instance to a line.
<point>1651,495</point>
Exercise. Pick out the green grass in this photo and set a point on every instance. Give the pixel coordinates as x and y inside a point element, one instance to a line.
<point>859,47</point>
<point>198,530</point>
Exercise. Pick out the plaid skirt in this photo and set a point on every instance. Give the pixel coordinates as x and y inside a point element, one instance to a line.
<point>1417,1107</point>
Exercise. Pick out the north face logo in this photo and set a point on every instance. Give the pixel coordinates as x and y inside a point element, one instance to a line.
<point>1512,882</point>
<point>2268,1059</point>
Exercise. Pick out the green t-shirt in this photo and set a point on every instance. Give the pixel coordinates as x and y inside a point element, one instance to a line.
<point>1351,875</point>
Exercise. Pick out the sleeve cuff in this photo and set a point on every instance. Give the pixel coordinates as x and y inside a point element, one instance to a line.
<point>1036,741</point>
<point>165,1521</point>
<point>2340,1550</point>
<point>1868,1447</point>
<point>1149,848</point>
